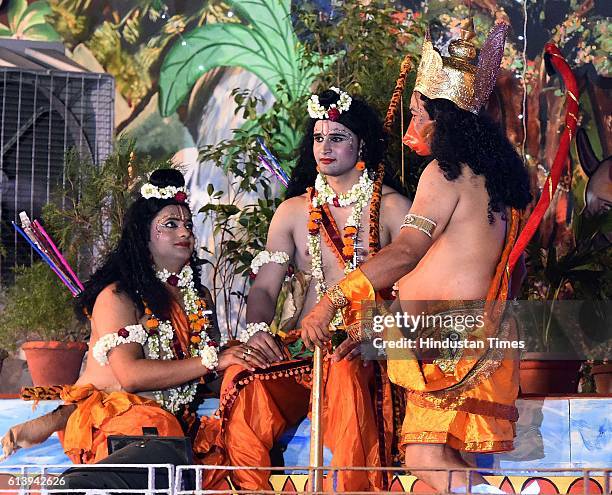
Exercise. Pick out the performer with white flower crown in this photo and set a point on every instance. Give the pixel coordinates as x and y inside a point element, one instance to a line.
<point>154,336</point>
<point>339,211</point>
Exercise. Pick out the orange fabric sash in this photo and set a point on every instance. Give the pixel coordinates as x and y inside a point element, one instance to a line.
<point>359,291</point>
<point>180,324</point>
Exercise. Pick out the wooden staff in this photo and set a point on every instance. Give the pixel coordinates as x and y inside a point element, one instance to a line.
<point>316,429</point>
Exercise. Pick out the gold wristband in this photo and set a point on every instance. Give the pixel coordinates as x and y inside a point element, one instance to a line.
<point>337,297</point>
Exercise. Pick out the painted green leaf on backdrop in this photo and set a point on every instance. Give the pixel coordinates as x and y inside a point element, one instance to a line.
<point>217,45</point>
<point>16,9</point>
<point>29,21</point>
<point>273,20</point>
<point>42,32</point>
<point>265,45</point>
<point>35,14</point>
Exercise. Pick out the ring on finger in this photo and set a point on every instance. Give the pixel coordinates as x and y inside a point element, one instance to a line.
<point>249,351</point>
<point>244,355</point>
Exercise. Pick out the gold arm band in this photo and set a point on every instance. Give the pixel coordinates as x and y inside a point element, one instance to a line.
<point>337,297</point>
<point>424,224</point>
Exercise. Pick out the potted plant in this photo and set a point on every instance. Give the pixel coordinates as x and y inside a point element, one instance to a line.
<point>601,371</point>
<point>561,321</point>
<point>38,315</point>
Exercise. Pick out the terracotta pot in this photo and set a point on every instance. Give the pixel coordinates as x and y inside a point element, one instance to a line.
<point>54,363</point>
<point>548,376</point>
<point>602,374</point>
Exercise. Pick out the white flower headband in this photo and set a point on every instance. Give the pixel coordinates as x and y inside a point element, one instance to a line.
<point>318,111</point>
<point>149,190</point>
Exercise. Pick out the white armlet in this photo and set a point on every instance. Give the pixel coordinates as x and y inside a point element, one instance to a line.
<point>265,257</point>
<point>127,335</point>
<point>251,329</point>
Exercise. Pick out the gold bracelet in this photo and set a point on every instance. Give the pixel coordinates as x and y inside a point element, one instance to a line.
<point>337,297</point>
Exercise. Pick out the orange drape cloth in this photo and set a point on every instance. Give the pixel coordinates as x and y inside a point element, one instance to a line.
<point>264,408</point>
<point>100,414</point>
<point>471,409</point>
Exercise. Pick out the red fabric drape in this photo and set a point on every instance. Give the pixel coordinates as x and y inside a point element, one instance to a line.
<point>557,62</point>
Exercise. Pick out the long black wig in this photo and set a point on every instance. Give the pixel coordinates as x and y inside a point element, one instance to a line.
<point>461,137</point>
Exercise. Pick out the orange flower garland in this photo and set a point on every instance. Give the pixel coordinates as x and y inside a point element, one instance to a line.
<point>198,321</point>
<point>348,236</point>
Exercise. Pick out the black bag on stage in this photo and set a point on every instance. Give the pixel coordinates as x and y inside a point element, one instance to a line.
<point>133,450</point>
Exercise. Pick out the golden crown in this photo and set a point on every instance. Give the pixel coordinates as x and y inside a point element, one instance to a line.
<point>456,77</point>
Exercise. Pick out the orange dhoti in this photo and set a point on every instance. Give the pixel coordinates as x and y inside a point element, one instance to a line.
<point>467,404</point>
<point>99,415</point>
<point>258,407</point>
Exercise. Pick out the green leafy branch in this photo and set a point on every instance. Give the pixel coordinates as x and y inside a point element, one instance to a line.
<point>86,215</point>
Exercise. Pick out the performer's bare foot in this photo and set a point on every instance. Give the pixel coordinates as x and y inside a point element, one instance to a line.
<point>8,445</point>
<point>444,458</point>
<point>25,435</point>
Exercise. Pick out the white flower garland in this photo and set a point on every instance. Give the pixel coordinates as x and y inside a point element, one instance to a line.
<point>265,257</point>
<point>187,286</point>
<point>253,328</point>
<point>325,194</point>
<point>149,190</point>
<point>360,194</point>
<point>158,345</point>
<point>172,399</point>
<point>318,111</point>
<point>133,334</point>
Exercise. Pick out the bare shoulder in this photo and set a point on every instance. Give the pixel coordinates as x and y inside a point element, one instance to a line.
<point>432,171</point>
<point>286,213</point>
<point>436,196</point>
<point>113,304</point>
<point>292,206</point>
<point>111,293</point>
<point>433,177</point>
<point>392,200</point>
<point>283,225</point>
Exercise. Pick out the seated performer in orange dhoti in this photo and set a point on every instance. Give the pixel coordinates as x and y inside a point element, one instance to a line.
<point>154,336</point>
<point>453,248</point>
<point>338,212</point>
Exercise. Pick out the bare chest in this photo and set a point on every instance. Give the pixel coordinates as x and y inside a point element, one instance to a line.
<point>331,241</point>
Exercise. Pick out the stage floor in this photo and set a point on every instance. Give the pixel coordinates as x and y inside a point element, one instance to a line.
<point>552,433</point>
